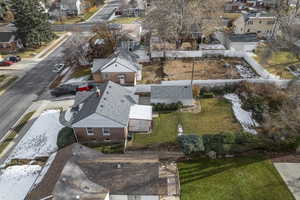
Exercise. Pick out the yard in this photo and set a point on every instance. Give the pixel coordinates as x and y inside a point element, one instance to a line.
<point>125,20</point>
<point>231,179</point>
<point>204,69</point>
<point>216,116</point>
<point>277,62</point>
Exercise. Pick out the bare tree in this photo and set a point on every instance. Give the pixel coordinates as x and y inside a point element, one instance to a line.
<point>173,20</point>
<point>75,52</point>
<point>286,28</point>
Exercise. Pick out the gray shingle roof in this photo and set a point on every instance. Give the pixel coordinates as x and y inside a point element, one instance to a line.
<point>247,37</point>
<point>113,104</point>
<point>122,56</point>
<point>6,36</point>
<point>120,174</point>
<point>171,92</point>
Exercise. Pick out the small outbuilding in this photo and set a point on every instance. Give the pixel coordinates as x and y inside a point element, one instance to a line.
<point>242,42</point>
<point>172,94</point>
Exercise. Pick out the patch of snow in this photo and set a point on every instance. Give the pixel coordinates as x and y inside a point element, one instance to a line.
<point>245,72</point>
<point>68,115</point>
<point>79,79</point>
<point>40,139</point>
<point>16,181</point>
<point>44,170</point>
<point>243,116</point>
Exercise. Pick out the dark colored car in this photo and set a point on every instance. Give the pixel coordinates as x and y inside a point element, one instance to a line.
<point>6,63</point>
<point>13,58</point>
<point>64,90</point>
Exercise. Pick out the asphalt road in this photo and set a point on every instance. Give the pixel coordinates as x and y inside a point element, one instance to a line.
<point>15,101</point>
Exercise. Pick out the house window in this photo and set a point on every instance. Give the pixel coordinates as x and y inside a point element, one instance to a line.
<point>106,131</point>
<point>90,131</point>
<point>248,30</point>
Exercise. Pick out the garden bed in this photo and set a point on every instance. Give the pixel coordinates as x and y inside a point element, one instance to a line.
<point>204,69</point>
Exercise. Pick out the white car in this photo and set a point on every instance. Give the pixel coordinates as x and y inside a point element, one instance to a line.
<point>58,67</point>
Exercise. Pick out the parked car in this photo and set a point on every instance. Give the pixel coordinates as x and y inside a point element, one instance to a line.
<point>64,90</point>
<point>6,63</point>
<point>13,58</point>
<point>58,67</point>
<point>85,87</point>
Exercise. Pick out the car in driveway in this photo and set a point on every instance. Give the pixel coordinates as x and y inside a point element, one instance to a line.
<point>13,58</point>
<point>58,67</point>
<point>64,90</point>
<point>6,63</point>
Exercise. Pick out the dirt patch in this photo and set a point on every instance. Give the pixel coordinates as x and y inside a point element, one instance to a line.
<point>204,69</point>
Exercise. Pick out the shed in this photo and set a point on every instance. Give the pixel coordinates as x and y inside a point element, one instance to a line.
<point>242,42</point>
<point>172,94</point>
<point>140,118</point>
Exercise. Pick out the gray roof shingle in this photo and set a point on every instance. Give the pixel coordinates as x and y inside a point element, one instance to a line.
<point>6,36</point>
<point>113,104</point>
<point>171,92</point>
<point>121,56</point>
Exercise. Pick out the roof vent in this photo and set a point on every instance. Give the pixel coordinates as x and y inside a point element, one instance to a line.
<point>98,92</point>
<point>101,106</point>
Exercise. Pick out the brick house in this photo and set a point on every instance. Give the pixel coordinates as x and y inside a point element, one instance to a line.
<point>260,23</point>
<point>9,43</point>
<point>107,114</point>
<point>121,68</point>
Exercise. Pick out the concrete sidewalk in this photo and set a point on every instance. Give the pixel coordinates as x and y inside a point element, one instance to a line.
<point>290,173</point>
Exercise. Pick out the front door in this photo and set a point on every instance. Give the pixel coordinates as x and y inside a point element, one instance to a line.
<point>121,79</point>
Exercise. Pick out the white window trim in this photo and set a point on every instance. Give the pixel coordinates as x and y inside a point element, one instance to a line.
<point>106,134</point>
<point>90,133</point>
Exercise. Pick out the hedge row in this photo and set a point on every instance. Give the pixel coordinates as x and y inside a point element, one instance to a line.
<point>227,143</point>
<point>167,107</point>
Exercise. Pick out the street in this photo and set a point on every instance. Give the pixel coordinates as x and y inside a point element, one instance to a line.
<point>20,96</point>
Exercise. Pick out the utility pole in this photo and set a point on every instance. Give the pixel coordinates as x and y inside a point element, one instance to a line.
<point>193,69</point>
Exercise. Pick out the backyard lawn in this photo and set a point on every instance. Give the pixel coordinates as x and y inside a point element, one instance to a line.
<point>216,116</point>
<point>231,179</point>
<point>277,62</point>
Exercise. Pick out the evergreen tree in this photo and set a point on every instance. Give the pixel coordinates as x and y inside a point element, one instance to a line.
<point>32,23</point>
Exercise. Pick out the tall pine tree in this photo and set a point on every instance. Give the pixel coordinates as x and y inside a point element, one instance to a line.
<point>32,23</point>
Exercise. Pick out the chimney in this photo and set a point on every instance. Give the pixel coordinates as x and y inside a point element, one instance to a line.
<point>98,92</point>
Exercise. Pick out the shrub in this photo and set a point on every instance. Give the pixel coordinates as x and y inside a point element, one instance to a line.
<point>167,107</point>
<point>191,144</point>
<point>65,137</point>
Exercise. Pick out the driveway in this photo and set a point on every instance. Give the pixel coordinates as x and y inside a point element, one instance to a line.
<point>290,173</point>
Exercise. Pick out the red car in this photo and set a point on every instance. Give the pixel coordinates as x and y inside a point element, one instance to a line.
<point>6,63</point>
<point>84,88</point>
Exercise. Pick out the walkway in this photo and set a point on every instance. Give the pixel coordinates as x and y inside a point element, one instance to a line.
<point>290,173</point>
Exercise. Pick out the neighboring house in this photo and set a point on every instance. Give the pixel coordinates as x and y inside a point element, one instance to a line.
<point>78,172</point>
<point>107,114</point>
<point>137,10</point>
<point>260,23</point>
<point>271,3</point>
<point>241,42</point>
<point>121,67</point>
<point>73,7</point>
<point>9,43</point>
<point>130,37</point>
<point>172,94</point>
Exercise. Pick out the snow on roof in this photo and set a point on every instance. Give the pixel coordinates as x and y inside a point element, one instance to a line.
<point>40,139</point>
<point>140,112</point>
<point>16,181</point>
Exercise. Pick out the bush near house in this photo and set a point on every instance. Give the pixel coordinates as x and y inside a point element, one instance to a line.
<point>65,137</point>
<point>191,144</point>
<point>167,107</point>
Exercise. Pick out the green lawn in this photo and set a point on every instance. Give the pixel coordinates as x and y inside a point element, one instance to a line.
<point>81,71</point>
<point>231,179</point>
<point>277,62</point>
<point>216,116</point>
